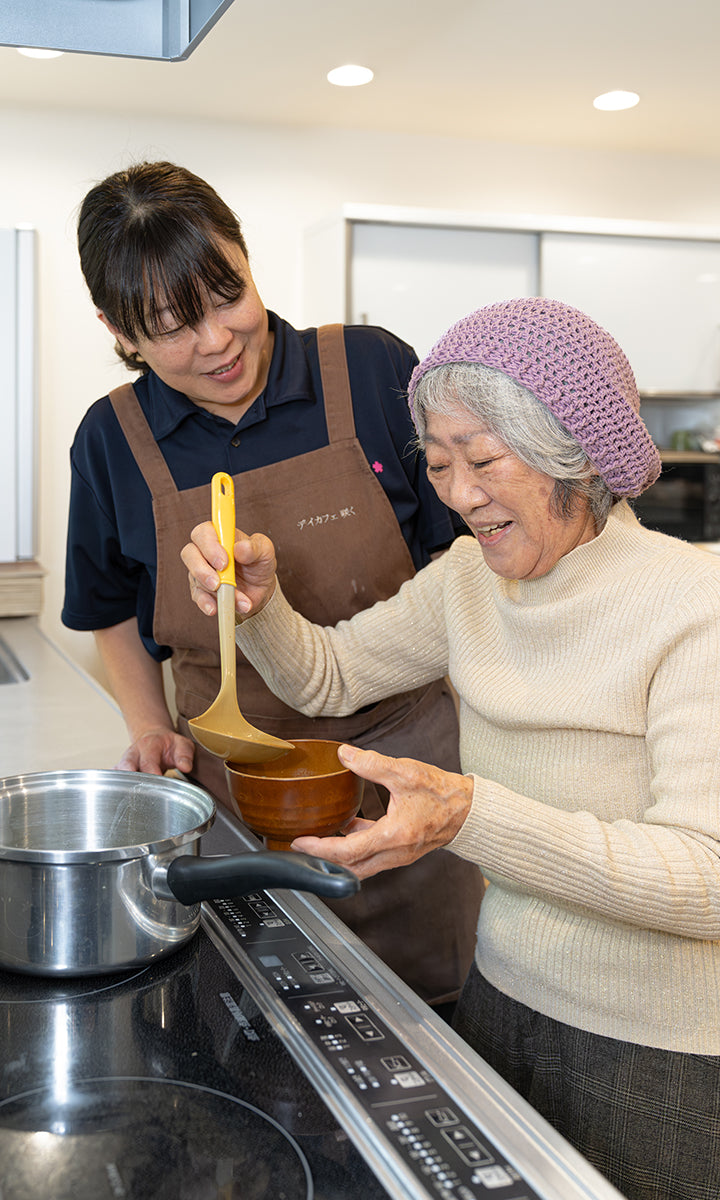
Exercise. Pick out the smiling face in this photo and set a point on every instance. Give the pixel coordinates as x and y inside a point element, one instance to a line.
<point>221,363</point>
<point>505,504</point>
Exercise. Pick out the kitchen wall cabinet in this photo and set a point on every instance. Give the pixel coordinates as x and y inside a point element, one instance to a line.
<point>419,281</point>
<point>655,287</point>
<point>659,297</point>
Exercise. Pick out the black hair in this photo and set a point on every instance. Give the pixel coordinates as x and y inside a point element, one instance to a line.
<point>150,241</point>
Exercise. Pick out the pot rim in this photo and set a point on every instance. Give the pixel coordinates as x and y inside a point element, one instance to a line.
<point>200,806</point>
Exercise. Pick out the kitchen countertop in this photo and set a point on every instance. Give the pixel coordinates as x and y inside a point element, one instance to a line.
<point>59,718</point>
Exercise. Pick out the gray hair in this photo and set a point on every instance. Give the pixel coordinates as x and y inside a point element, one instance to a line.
<point>523,423</point>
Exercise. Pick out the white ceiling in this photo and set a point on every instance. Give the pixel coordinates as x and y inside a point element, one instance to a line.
<point>523,71</point>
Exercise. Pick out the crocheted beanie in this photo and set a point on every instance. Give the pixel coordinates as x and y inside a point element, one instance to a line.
<point>570,364</point>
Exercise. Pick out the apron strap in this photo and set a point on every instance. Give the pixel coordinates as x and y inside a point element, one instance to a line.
<point>335,383</point>
<point>148,454</point>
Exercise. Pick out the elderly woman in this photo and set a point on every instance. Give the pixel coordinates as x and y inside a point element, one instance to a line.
<point>585,651</point>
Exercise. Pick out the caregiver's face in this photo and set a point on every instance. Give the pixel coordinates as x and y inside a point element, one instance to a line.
<point>222,362</point>
<point>506,504</point>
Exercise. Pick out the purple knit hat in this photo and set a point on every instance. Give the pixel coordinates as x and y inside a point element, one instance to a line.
<point>574,367</point>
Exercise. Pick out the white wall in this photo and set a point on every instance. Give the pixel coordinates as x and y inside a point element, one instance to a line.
<point>279,181</point>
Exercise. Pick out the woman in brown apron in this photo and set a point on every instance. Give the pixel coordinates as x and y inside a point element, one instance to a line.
<point>327,513</point>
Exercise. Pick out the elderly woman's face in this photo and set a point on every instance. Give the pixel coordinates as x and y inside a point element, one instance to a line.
<point>504,503</point>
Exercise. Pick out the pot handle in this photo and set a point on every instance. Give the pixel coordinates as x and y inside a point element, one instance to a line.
<point>191,878</point>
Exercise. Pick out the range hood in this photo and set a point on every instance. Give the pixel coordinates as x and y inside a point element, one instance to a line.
<point>158,29</point>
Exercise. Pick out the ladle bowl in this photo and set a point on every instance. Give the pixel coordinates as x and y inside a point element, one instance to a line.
<point>307,791</point>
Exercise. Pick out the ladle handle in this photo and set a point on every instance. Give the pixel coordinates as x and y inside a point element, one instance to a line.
<point>223,518</point>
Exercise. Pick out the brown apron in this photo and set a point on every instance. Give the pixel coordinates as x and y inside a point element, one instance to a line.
<point>339,549</point>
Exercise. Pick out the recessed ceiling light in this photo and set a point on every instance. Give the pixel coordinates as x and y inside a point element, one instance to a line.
<point>349,76</point>
<point>36,52</point>
<point>614,101</point>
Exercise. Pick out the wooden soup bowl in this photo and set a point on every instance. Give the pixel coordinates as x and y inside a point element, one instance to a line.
<point>306,791</point>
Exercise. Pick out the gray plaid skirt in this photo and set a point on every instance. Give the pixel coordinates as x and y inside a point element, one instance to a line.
<point>648,1119</point>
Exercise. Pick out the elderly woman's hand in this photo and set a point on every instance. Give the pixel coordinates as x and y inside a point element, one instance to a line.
<point>254,569</point>
<point>427,808</point>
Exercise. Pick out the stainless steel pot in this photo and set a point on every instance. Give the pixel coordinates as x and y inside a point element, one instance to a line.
<point>100,870</point>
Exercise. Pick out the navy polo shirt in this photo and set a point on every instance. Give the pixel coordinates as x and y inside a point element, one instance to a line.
<point>111,555</point>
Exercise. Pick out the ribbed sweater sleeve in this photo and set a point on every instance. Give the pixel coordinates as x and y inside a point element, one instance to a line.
<point>317,670</point>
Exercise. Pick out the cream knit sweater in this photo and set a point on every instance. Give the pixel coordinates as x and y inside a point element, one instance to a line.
<point>590,719</point>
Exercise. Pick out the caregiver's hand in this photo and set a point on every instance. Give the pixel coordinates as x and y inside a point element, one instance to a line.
<point>157,751</point>
<point>255,566</point>
<point>427,809</point>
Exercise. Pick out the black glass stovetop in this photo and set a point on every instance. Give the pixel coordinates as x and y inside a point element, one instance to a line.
<point>165,1083</point>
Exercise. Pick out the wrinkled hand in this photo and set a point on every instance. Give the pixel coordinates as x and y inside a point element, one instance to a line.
<point>427,808</point>
<point>255,566</point>
<point>158,751</point>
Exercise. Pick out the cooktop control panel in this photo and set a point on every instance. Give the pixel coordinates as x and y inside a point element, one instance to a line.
<point>416,1119</point>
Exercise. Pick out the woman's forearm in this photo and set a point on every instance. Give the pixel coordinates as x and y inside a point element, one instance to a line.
<point>136,679</point>
<point>394,646</point>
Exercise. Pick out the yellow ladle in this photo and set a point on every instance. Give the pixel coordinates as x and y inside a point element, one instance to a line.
<point>222,729</point>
